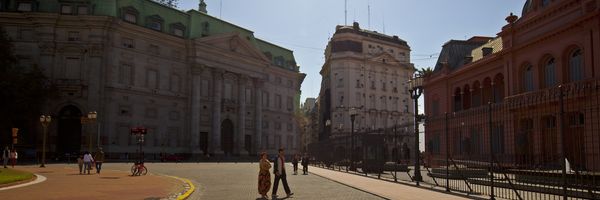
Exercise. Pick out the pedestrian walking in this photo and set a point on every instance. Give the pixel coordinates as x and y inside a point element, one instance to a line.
<point>279,171</point>
<point>13,157</point>
<point>295,163</point>
<point>264,176</point>
<point>80,162</point>
<point>87,162</point>
<point>305,164</point>
<point>5,156</point>
<point>99,158</point>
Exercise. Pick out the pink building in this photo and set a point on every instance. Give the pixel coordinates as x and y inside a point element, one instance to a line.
<point>553,43</point>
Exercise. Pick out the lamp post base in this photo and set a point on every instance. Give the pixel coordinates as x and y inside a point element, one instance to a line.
<point>42,165</point>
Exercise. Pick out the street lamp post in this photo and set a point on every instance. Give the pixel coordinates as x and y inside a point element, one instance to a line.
<point>45,121</point>
<point>353,112</point>
<point>416,89</point>
<point>90,118</point>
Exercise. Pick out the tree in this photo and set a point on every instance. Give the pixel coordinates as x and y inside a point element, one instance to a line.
<point>24,90</point>
<point>424,72</point>
<point>170,3</point>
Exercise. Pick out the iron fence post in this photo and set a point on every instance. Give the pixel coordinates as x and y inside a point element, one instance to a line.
<point>491,151</point>
<point>447,157</point>
<point>562,137</point>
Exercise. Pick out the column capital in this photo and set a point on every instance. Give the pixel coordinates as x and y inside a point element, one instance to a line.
<point>198,68</point>
<point>217,73</point>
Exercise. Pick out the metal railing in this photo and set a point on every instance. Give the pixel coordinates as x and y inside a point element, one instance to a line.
<point>538,145</point>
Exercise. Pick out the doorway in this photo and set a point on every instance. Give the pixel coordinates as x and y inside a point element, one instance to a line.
<point>227,136</point>
<point>69,131</point>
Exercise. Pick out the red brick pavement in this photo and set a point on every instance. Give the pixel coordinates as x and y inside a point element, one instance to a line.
<point>65,182</point>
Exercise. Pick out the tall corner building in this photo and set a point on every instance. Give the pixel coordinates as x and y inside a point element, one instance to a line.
<point>200,85</point>
<point>367,71</point>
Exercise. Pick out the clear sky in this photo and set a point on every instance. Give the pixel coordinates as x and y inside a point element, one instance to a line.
<point>305,26</point>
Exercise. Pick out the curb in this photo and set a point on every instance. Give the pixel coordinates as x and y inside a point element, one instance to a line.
<point>189,189</point>
<point>37,179</point>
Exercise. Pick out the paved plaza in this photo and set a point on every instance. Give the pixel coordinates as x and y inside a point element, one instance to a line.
<point>239,181</point>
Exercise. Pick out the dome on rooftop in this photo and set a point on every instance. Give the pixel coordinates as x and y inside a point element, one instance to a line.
<point>527,7</point>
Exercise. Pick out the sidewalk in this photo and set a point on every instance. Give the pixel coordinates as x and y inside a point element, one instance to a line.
<point>65,182</point>
<point>381,188</point>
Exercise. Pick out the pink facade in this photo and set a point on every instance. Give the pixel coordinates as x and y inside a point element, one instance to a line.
<point>553,43</point>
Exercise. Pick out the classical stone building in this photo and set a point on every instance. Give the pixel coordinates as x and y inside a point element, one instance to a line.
<point>366,71</point>
<point>197,83</point>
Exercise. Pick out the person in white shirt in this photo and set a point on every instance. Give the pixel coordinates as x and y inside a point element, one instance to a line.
<point>279,171</point>
<point>87,162</point>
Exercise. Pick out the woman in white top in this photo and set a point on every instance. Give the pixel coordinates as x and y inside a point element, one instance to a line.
<point>87,162</point>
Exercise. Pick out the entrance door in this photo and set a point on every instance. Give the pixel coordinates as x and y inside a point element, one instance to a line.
<point>204,142</point>
<point>69,131</point>
<point>227,137</point>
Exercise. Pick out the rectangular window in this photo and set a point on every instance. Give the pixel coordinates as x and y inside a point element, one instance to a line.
<point>248,96</point>
<point>127,42</point>
<point>72,68</point>
<point>175,83</point>
<point>154,49</point>
<point>290,126</point>
<point>152,79</point>
<point>155,25</point>
<point>66,9</point>
<point>265,99</point>
<point>73,36</point>
<point>126,74</point>
<point>290,103</point>
<point>277,125</point>
<point>228,89</point>
<point>278,141</point>
<point>265,141</point>
<point>178,32</point>
<point>24,7</point>
<point>82,10</point>
<point>278,101</point>
<point>130,17</point>
<point>205,88</point>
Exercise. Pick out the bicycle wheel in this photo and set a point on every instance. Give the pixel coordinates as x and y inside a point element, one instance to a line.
<point>133,170</point>
<point>144,170</point>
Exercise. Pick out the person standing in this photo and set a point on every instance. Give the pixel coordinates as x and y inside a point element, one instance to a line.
<point>5,156</point>
<point>99,158</point>
<point>279,171</point>
<point>13,157</point>
<point>305,164</point>
<point>264,176</point>
<point>80,163</point>
<point>295,163</point>
<point>87,162</point>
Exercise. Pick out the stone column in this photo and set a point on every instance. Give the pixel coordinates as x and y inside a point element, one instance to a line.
<point>258,84</point>
<point>241,138</point>
<point>215,140</point>
<point>195,111</point>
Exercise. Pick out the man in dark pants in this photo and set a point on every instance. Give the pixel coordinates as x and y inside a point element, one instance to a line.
<point>305,164</point>
<point>279,171</point>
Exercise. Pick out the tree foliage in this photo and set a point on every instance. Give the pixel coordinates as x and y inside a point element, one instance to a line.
<point>170,3</point>
<point>24,90</point>
<point>424,72</point>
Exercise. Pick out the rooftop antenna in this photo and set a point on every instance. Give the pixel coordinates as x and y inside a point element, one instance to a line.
<point>220,8</point>
<point>369,13</point>
<point>345,12</point>
<point>383,22</point>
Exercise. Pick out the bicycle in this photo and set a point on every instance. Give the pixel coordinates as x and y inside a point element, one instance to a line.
<point>138,169</point>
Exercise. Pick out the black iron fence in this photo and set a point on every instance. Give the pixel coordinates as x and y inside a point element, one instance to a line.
<point>537,145</point>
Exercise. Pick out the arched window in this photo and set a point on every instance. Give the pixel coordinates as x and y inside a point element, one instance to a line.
<point>545,3</point>
<point>549,73</point>
<point>528,78</point>
<point>576,66</point>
